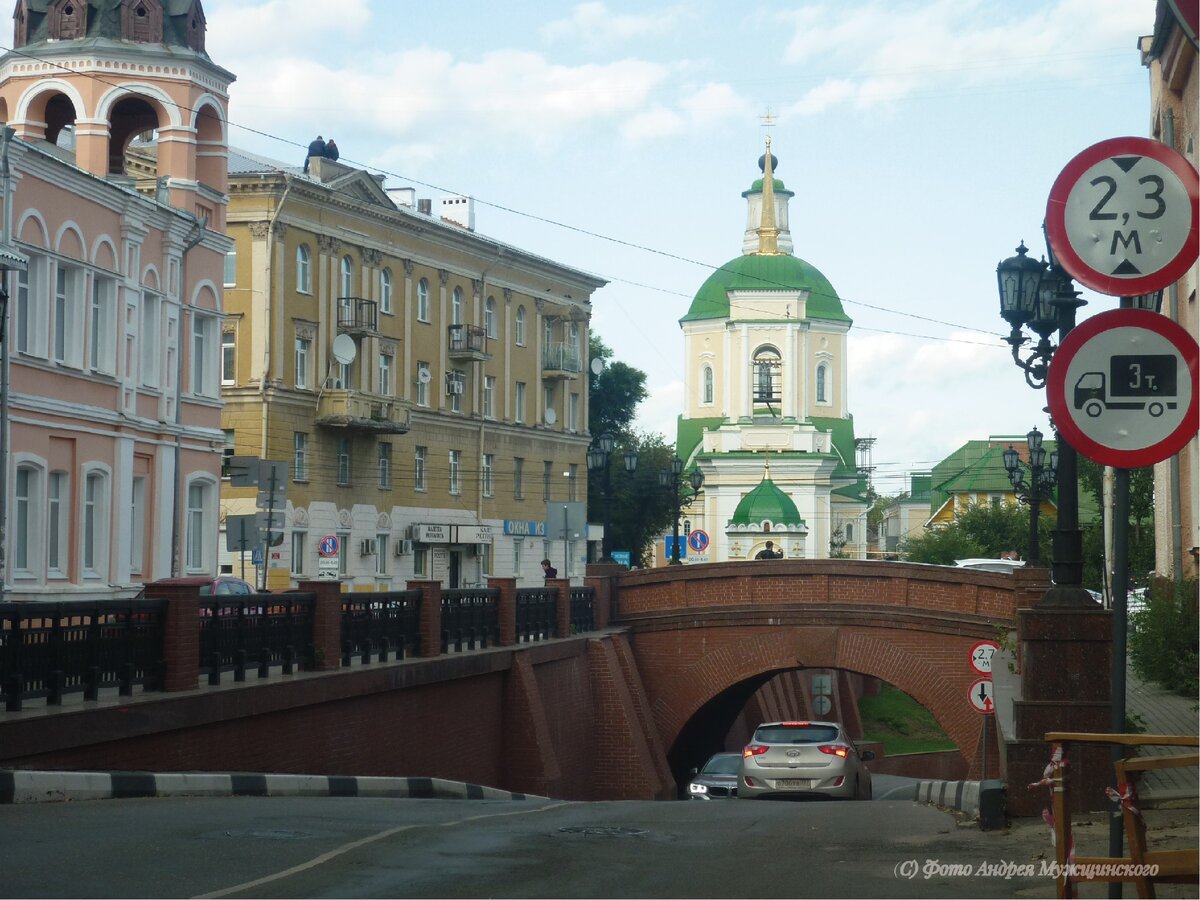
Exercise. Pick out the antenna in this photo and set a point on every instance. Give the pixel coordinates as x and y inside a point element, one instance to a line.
<point>344,349</point>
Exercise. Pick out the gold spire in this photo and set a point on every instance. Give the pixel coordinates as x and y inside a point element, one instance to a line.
<point>768,231</point>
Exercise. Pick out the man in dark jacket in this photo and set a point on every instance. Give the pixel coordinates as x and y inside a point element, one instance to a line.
<point>768,553</point>
<point>331,150</point>
<point>316,148</point>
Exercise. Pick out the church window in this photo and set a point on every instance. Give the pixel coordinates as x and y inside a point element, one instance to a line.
<point>707,378</point>
<point>768,375</point>
<point>822,383</point>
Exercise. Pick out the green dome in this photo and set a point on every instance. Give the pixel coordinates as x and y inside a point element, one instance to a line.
<point>766,503</point>
<point>757,187</point>
<point>755,272</point>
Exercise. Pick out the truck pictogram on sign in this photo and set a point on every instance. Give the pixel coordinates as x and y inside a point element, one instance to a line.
<point>1134,382</point>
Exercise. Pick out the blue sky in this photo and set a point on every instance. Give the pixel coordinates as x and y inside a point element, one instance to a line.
<point>921,140</point>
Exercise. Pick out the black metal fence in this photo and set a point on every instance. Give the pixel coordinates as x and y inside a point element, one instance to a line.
<point>469,619</point>
<point>381,625</point>
<point>537,614</point>
<point>582,617</point>
<point>49,649</point>
<point>256,630</point>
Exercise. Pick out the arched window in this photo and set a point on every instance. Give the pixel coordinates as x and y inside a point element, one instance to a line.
<point>489,317</point>
<point>768,375</point>
<point>200,525</point>
<point>385,291</point>
<point>707,378</point>
<point>27,520</point>
<point>303,270</point>
<point>347,277</point>
<point>423,300</point>
<point>519,327</point>
<point>456,307</point>
<point>93,547</point>
<point>822,388</point>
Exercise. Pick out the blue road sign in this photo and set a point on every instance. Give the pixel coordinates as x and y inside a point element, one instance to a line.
<point>698,540</point>
<point>329,545</point>
<point>623,557</point>
<point>669,545</point>
<point>256,556</point>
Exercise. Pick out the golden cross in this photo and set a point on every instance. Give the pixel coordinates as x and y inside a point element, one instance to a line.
<point>768,120</point>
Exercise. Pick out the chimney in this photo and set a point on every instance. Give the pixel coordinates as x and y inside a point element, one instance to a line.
<point>403,196</point>
<point>459,211</point>
<point>425,205</point>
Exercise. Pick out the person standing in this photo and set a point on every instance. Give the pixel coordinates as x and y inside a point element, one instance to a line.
<point>316,148</point>
<point>548,570</point>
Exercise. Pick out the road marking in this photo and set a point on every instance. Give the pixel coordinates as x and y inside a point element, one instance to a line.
<point>910,788</point>
<point>362,842</point>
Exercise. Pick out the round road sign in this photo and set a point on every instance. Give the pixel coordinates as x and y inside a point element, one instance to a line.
<point>981,656</point>
<point>698,540</point>
<point>329,545</point>
<point>1123,217</point>
<point>981,695</point>
<point>1122,388</point>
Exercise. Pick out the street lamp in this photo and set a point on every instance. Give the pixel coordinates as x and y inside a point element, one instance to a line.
<point>599,457</point>
<point>669,478</point>
<point>1039,487</point>
<point>1042,297</point>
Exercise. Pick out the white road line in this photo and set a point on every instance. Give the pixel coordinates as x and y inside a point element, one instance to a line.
<point>362,842</point>
<point>909,788</point>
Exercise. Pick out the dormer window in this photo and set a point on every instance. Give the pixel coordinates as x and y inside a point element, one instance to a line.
<point>67,20</point>
<point>141,21</point>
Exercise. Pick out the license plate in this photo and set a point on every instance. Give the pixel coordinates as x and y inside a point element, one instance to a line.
<point>793,782</point>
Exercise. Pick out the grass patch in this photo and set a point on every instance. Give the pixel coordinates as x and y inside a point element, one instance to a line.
<point>900,723</point>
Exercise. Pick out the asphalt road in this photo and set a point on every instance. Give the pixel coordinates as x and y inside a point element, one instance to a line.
<point>357,847</point>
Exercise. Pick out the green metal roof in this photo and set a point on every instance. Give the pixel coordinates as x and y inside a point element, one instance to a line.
<point>757,187</point>
<point>766,503</point>
<point>690,432</point>
<point>774,272</point>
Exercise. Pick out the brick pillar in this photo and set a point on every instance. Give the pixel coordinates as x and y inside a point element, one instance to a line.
<point>506,609</point>
<point>431,616</point>
<point>181,635</point>
<point>603,589</point>
<point>562,606</point>
<point>327,622</point>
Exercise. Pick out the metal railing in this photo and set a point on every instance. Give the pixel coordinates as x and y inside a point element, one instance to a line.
<point>537,616</point>
<point>49,649</point>
<point>261,630</point>
<point>356,314</point>
<point>381,624</point>
<point>469,619</point>
<point>582,616</point>
<point>467,339</point>
<point>561,357</point>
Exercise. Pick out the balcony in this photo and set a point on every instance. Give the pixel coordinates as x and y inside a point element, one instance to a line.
<point>360,411</point>
<point>560,361</point>
<point>357,317</point>
<point>468,342</point>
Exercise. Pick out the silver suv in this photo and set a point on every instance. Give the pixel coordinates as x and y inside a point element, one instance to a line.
<point>797,759</point>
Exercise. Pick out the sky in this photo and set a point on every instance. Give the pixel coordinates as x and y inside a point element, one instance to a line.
<point>921,140</point>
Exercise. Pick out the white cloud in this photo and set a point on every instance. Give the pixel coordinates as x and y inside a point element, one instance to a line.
<point>594,24</point>
<point>239,28</point>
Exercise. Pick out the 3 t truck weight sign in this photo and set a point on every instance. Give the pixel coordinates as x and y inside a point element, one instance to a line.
<point>1122,216</point>
<point>1133,382</point>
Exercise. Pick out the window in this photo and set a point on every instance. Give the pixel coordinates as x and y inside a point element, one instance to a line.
<point>547,470</point>
<point>343,461</point>
<point>422,300</point>
<point>419,455</point>
<point>347,277</point>
<point>489,317</point>
<point>95,524</point>
<point>385,375</point>
<point>460,378</point>
<point>381,553</point>
<point>489,396</point>
<point>228,358</point>
<point>548,397</point>
<point>822,396</point>
<point>343,551</point>
<point>57,499</point>
<point>102,350</point>
<point>299,539</point>
<point>151,338</point>
<point>768,369</point>
<point>231,268</point>
<point>198,543</point>
<point>421,561</point>
<point>518,478</point>
<point>25,518</point>
<point>485,559</point>
<point>456,307</point>
<point>519,403</point>
<point>31,310</point>
<point>303,270</point>
<point>385,291</point>
<point>573,412</point>
<point>68,316</point>
<point>203,374</point>
<point>488,462</point>
<point>849,533</point>
<point>299,456</point>
<point>455,462</point>
<point>137,518</point>
<point>573,482</point>
<point>303,346</point>
<point>424,376</point>
<point>516,558</point>
<point>385,464</point>
<point>707,378</point>
<point>227,451</point>
<point>519,327</point>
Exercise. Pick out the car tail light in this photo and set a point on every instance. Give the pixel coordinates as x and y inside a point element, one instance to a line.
<point>793,723</point>
<point>750,782</point>
<point>839,781</point>
<point>754,750</point>
<point>835,749</point>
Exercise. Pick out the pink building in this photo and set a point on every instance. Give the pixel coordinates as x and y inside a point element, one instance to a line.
<point>114,328</point>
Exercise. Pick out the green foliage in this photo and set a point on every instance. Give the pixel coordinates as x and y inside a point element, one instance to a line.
<point>640,509</point>
<point>614,394</point>
<point>1141,523</point>
<point>1163,637</point>
<point>901,723</point>
<point>981,530</point>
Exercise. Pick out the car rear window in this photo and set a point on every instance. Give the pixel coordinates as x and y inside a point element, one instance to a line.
<point>723,765</point>
<point>795,734</point>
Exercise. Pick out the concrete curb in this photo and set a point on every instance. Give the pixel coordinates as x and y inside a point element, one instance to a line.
<point>960,795</point>
<point>23,786</point>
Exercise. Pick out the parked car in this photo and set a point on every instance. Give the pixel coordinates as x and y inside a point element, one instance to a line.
<point>717,779</point>
<point>1006,566</point>
<point>798,759</point>
<point>221,585</point>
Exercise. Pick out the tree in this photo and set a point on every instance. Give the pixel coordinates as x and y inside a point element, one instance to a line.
<point>981,530</point>
<point>1141,523</point>
<point>614,394</point>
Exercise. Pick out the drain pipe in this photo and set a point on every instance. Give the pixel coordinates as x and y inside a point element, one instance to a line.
<point>1175,498</point>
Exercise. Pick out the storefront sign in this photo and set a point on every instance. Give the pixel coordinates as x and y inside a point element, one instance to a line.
<point>525,529</point>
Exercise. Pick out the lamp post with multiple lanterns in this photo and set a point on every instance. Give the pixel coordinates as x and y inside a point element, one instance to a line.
<point>599,459</point>
<point>1039,487</point>
<point>670,478</point>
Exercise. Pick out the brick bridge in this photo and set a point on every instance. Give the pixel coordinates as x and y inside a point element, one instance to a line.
<point>615,709</point>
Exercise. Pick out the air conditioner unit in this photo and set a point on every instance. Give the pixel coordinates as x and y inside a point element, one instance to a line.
<point>402,548</point>
<point>367,547</point>
<point>333,384</point>
<point>410,532</point>
<point>453,385</point>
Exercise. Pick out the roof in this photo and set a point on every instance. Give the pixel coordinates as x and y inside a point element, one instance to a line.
<point>766,503</point>
<point>104,21</point>
<point>766,272</point>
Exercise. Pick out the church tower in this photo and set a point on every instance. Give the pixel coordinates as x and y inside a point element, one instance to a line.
<point>765,411</point>
<point>91,76</point>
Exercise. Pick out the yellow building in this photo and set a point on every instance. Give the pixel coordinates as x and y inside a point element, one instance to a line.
<point>424,384</point>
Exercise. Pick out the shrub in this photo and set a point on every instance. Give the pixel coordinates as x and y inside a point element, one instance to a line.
<point>1164,637</point>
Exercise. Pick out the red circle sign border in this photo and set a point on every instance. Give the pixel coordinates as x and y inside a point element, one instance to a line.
<point>979,644</point>
<point>1056,388</point>
<point>1056,225</point>
<point>983,710</point>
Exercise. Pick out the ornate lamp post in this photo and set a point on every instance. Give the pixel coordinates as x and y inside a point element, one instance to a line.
<point>1043,298</point>
<point>670,478</point>
<point>1039,487</point>
<point>599,457</point>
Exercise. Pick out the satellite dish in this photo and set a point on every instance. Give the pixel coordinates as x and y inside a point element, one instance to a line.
<point>423,376</point>
<point>344,349</point>
<point>597,366</point>
<point>551,417</point>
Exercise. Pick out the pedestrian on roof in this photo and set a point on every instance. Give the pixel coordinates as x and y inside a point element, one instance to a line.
<point>316,148</point>
<point>331,150</point>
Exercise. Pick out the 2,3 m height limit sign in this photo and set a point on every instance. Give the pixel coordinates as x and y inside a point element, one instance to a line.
<point>1123,218</point>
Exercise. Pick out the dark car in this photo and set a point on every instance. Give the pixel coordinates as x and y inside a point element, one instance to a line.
<point>717,780</point>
